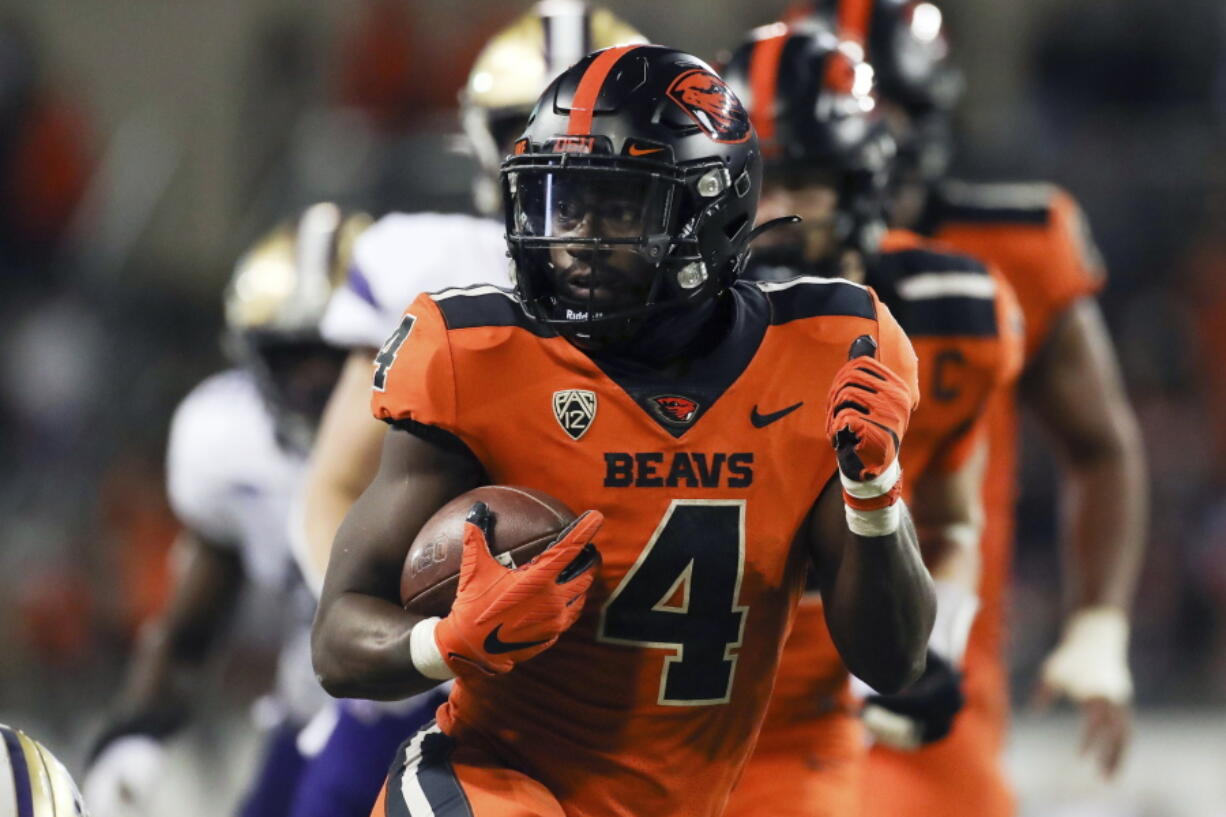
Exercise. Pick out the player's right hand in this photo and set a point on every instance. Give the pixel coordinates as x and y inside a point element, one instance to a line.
<point>123,775</point>
<point>922,713</point>
<point>502,615</point>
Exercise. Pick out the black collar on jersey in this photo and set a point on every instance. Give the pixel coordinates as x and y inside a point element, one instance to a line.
<point>704,377</point>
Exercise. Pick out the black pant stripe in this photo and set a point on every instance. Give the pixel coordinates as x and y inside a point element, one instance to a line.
<point>438,779</point>
<point>421,781</point>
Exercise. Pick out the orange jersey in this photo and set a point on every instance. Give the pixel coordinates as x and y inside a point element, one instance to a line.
<point>963,322</point>
<point>963,319</point>
<point>1037,236</point>
<point>648,706</point>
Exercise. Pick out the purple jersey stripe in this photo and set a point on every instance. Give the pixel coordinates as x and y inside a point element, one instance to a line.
<point>361,286</point>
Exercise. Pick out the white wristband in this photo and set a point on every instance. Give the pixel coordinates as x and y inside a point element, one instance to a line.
<point>1091,660</point>
<point>424,651</point>
<point>881,522</point>
<point>875,487</point>
<point>956,609</point>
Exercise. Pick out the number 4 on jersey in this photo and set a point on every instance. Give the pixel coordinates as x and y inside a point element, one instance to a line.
<point>387,355</point>
<point>681,595</point>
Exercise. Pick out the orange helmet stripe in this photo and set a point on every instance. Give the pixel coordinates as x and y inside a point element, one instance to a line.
<point>763,82</point>
<point>584,103</point>
<point>855,16</point>
<point>854,19</point>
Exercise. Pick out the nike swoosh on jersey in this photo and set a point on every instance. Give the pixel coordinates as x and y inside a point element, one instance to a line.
<point>496,646</point>
<point>763,420</point>
<point>635,150</point>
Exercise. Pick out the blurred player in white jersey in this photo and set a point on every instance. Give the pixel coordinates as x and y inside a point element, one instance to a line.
<point>399,257</point>
<point>236,456</point>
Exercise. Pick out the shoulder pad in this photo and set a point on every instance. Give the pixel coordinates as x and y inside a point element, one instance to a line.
<point>1017,203</point>
<point>485,305</point>
<point>810,296</point>
<point>939,293</point>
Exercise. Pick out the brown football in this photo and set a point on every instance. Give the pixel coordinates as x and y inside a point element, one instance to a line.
<point>525,522</point>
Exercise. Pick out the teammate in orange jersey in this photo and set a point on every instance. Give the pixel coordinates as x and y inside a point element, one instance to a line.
<point>828,157</point>
<point>1036,235</point>
<point>629,373</point>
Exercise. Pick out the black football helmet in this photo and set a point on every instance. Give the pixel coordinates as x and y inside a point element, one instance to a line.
<point>632,191</point>
<point>907,44</point>
<point>810,97</point>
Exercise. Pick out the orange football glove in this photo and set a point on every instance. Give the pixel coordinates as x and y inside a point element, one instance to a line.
<point>867,415</point>
<point>502,615</point>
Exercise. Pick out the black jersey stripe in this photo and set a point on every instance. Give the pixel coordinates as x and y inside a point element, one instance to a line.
<point>921,262</point>
<point>972,203</point>
<point>948,317</point>
<point>485,305</point>
<point>814,297</point>
<point>970,214</point>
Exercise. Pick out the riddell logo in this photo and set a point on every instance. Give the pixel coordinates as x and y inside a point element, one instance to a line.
<point>674,409</point>
<point>707,100</point>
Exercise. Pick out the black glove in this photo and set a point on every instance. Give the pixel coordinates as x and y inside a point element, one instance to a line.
<point>922,713</point>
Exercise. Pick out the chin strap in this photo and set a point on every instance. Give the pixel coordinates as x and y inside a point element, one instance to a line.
<point>770,225</point>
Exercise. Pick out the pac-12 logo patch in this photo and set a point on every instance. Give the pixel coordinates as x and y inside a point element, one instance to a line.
<point>709,102</point>
<point>575,410</point>
<point>674,409</point>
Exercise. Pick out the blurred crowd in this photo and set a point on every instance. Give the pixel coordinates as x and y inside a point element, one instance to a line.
<point>1123,103</point>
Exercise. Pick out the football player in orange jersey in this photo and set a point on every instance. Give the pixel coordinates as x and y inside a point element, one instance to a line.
<point>828,157</point>
<point>1036,235</point>
<point>703,421</point>
<point>402,255</point>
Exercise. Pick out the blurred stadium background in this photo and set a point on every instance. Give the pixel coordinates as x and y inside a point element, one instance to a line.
<point>144,143</point>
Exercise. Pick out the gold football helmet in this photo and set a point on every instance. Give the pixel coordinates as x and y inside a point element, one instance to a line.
<point>282,285</point>
<point>36,784</point>
<point>274,306</point>
<point>514,68</point>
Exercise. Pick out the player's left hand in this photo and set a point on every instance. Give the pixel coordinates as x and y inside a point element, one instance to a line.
<point>922,713</point>
<point>1090,667</point>
<point>866,417</point>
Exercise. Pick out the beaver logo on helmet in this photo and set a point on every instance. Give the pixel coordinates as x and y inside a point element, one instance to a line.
<point>707,100</point>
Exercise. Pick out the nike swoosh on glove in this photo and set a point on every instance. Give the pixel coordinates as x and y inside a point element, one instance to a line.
<point>922,713</point>
<point>502,615</point>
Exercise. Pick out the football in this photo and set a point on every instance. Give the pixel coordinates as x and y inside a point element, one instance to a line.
<point>525,523</point>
